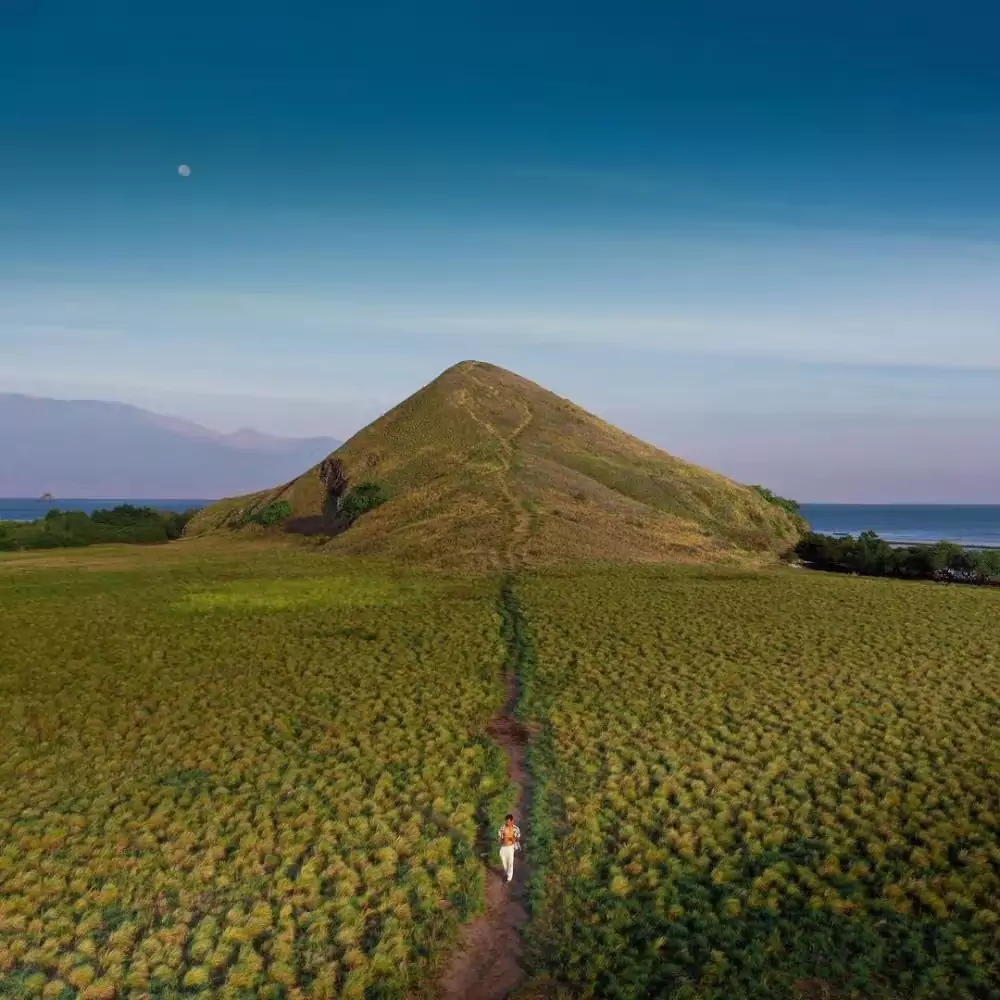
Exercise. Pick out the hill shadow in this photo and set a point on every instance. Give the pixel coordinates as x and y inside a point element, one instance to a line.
<point>332,521</point>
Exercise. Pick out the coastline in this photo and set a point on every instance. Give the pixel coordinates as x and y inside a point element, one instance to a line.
<point>25,510</point>
<point>897,543</point>
<point>975,527</point>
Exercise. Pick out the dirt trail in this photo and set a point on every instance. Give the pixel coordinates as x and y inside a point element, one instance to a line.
<point>486,964</point>
<point>523,519</point>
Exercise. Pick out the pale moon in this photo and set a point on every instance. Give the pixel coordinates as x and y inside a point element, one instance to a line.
<point>184,170</point>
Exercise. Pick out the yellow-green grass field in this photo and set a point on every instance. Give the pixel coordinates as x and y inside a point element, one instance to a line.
<point>245,770</point>
<point>765,786</point>
<point>239,772</point>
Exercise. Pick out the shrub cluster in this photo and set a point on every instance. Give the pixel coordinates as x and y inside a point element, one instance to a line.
<point>870,555</point>
<point>362,498</point>
<point>268,515</point>
<point>343,509</point>
<point>239,779</point>
<point>762,782</point>
<point>124,523</point>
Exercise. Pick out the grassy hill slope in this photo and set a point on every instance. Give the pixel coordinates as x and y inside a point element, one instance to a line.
<point>487,468</point>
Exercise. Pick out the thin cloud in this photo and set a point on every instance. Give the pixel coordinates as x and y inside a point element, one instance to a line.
<point>821,301</point>
<point>881,337</point>
<point>48,332</point>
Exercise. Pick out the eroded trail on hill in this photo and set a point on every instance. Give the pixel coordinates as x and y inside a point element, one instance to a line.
<point>487,963</point>
<point>522,518</point>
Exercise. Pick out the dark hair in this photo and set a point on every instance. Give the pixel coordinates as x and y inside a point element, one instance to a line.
<point>510,815</point>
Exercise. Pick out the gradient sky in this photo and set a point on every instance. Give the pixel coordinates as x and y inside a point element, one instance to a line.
<point>765,236</point>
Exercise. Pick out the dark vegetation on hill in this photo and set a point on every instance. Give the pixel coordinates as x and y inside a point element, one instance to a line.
<point>72,529</point>
<point>343,506</point>
<point>870,555</point>
<point>483,468</point>
<point>790,507</point>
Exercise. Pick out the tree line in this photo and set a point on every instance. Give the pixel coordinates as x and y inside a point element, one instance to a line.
<point>870,555</point>
<point>74,528</point>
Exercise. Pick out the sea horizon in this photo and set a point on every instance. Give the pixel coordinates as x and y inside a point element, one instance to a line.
<point>969,525</point>
<point>33,508</point>
<point>974,525</point>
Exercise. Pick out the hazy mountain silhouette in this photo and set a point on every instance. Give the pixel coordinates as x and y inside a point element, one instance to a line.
<point>89,448</point>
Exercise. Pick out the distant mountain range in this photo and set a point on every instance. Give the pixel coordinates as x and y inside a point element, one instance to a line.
<point>89,448</point>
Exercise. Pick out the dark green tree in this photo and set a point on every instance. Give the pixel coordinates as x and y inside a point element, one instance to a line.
<point>873,556</point>
<point>362,498</point>
<point>273,513</point>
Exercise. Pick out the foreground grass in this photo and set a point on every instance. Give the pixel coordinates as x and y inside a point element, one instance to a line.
<point>239,772</point>
<point>771,786</point>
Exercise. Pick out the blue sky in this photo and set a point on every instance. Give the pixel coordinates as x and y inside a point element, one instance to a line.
<point>763,236</point>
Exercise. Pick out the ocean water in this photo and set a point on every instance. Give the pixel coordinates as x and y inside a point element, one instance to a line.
<point>909,524</point>
<point>974,526</point>
<point>31,510</point>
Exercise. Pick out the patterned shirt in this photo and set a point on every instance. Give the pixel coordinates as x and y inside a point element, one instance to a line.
<point>515,831</point>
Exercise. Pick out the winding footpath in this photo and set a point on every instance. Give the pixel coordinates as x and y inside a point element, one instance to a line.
<point>487,962</point>
<point>522,519</point>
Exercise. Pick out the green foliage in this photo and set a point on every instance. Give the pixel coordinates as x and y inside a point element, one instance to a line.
<point>196,799</point>
<point>756,781</point>
<point>72,529</point>
<point>362,498</point>
<point>788,506</point>
<point>274,513</point>
<point>870,555</point>
<point>267,516</point>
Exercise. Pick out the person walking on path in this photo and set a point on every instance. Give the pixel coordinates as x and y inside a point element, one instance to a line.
<point>510,841</point>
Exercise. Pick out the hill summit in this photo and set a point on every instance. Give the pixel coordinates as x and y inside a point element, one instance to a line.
<point>486,468</point>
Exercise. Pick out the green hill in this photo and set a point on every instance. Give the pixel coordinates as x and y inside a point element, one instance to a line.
<point>485,468</point>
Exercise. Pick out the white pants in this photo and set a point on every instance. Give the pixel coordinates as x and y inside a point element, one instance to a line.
<point>507,860</point>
